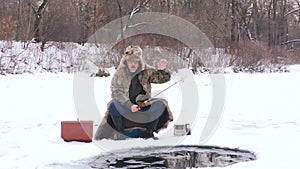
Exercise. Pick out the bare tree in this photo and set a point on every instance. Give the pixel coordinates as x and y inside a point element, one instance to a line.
<point>37,9</point>
<point>90,15</point>
<point>134,8</point>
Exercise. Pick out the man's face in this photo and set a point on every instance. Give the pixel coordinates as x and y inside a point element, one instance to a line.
<point>133,66</point>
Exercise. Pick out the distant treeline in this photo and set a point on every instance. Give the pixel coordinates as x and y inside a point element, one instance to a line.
<point>245,28</point>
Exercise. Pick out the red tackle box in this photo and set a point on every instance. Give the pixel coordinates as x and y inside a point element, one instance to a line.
<point>77,131</point>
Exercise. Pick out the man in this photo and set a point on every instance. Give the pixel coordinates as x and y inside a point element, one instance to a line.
<point>132,112</point>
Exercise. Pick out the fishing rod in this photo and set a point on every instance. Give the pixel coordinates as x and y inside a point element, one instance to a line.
<point>146,101</point>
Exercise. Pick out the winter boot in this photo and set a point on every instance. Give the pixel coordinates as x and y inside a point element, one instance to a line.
<point>119,136</point>
<point>150,129</point>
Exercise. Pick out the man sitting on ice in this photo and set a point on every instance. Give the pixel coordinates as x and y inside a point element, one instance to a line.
<point>132,112</point>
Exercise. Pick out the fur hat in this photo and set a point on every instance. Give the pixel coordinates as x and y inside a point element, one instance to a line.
<point>133,53</point>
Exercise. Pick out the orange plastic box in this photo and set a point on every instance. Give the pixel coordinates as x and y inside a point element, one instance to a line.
<point>77,131</point>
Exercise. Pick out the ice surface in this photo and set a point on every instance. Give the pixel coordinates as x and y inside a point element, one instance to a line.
<point>260,113</point>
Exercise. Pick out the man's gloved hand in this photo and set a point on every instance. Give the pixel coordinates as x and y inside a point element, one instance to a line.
<point>135,108</point>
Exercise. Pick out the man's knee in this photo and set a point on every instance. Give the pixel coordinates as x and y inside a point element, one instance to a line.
<point>158,107</point>
<point>156,110</point>
<point>113,111</point>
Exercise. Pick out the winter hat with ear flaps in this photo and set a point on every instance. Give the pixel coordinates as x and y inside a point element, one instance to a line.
<point>133,53</point>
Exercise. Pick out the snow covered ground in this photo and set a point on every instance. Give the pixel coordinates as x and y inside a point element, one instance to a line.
<point>261,114</point>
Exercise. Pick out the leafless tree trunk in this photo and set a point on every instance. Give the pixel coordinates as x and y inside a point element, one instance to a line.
<point>233,24</point>
<point>38,18</point>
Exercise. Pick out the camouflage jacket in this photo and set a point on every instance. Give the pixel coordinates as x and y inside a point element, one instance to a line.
<point>122,78</point>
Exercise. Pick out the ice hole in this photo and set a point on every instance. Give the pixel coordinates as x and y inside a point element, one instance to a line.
<point>173,157</point>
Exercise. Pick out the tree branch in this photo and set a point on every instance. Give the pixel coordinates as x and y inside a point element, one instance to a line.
<point>291,41</point>
<point>133,11</point>
<point>292,11</point>
<point>138,8</point>
<point>42,6</point>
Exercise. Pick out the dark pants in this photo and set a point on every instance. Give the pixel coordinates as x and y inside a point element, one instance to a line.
<point>148,115</point>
